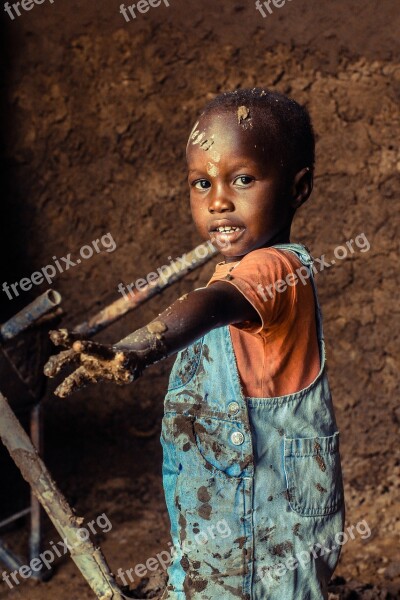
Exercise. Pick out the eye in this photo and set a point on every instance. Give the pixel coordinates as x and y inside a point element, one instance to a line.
<point>243,180</point>
<point>201,184</point>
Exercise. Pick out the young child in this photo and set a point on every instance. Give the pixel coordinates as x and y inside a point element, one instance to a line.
<point>250,442</point>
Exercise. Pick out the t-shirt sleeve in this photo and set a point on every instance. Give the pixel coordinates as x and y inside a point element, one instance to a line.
<point>267,279</point>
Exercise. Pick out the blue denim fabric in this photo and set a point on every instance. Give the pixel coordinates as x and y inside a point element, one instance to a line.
<point>252,485</point>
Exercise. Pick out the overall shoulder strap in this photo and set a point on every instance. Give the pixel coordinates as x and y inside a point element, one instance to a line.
<point>304,255</point>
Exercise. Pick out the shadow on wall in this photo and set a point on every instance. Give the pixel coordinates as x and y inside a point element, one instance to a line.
<point>12,243</point>
<point>23,351</point>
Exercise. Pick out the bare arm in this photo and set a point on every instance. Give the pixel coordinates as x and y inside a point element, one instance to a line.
<point>186,320</point>
<point>192,316</point>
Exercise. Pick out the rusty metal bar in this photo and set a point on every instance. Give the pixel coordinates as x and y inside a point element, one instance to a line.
<point>44,307</point>
<point>22,513</point>
<point>35,536</point>
<point>117,309</point>
<point>89,559</point>
<point>10,560</point>
<point>29,315</point>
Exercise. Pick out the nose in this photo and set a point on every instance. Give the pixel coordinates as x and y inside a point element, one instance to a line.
<point>219,202</point>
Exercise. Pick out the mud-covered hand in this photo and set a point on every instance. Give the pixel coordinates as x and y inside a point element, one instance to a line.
<point>97,362</point>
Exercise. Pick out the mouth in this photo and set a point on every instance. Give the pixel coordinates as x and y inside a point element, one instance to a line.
<point>225,231</point>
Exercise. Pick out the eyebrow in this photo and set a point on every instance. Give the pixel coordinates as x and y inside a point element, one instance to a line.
<point>242,165</point>
<point>245,165</point>
<point>199,171</point>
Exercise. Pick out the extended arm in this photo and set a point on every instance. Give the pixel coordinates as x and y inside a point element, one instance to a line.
<point>186,320</point>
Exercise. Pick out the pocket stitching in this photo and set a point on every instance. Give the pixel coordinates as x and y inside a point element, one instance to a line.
<point>290,477</point>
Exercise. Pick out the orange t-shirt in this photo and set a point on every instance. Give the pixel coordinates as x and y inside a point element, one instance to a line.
<point>280,356</point>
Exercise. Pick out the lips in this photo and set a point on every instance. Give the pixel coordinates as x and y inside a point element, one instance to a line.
<point>225,230</point>
<point>224,225</point>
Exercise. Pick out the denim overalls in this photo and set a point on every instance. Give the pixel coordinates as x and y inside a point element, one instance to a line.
<point>253,486</point>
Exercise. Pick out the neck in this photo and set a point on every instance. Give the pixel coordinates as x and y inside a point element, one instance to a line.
<point>281,237</point>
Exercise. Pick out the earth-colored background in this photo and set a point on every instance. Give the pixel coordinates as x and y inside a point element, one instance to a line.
<point>95,115</point>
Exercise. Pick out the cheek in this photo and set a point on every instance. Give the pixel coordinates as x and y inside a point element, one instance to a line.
<point>256,210</point>
<point>193,207</point>
<point>199,213</point>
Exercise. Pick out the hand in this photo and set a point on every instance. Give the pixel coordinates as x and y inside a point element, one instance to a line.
<point>98,362</point>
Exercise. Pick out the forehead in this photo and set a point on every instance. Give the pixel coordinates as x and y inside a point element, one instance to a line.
<point>227,135</point>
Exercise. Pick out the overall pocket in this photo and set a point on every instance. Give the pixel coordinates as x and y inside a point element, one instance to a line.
<point>204,442</point>
<point>313,474</point>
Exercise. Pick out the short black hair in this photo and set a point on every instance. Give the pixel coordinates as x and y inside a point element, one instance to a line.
<point>284,122</point>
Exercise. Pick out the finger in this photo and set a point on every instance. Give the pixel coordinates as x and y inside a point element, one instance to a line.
<point>89,347</point>
<point>59,361</point>
<point>63,337</point>
<point>77,380</point>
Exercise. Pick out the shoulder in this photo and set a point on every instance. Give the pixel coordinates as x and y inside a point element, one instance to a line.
<point>272,275</point>
<point>274,262</point>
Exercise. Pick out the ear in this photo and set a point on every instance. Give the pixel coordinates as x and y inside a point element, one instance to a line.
<point>301,187</point>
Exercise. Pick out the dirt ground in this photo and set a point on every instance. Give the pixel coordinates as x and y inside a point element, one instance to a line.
<point>95,114</point>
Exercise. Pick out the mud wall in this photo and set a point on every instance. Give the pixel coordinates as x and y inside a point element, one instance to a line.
<point>96,113</point>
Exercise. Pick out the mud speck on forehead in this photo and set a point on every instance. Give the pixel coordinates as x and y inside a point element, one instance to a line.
<point>206,144</point>
<point>212,169</point>
<point>243,113</point>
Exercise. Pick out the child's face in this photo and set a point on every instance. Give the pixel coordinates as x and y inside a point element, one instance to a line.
<point>235,183</point>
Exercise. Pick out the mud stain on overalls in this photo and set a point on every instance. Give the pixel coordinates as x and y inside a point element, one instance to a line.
<point>187,364</point>
<point>203,494</point>
<point>320,488</point>
<point>296,529</point>
<point>205,511</point>
<point>182,524</point>
<point>288,494</point>
<point>282,549</point>
<point>266,534</point>
<point>318,457</point>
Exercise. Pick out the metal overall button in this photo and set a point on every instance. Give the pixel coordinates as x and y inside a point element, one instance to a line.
<point>237,438</point>
<point>233,408</point>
